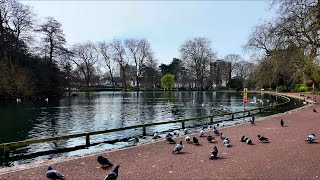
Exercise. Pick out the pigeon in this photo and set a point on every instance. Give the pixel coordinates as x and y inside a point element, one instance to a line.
<point>263,139</point>
<point>176,133</point>
<point>315,111</point>
<point>54,174</point>
<point>185,131</point>
<point>214,153</point>
<point>210,138</point>
<point>216,131</point>
<point>226,142</point>
<point>252,120</point>
<point>195,141</point>
<point>135,140</point>
<point>248,141</point>
<point>178,147</point>
<point>169,135</point>
<point>311,138</point>
<point>104,162</point>
<point>222,136</point>
<point>156,135</point>
<point>113,175</point>
<point>170,140</point>
<point>187,138</point>
<point>201,133</point>
<point>281,122</point>
<point>243,139</point>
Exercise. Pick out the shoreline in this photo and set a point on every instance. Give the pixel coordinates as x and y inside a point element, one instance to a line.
<point>63,160</point>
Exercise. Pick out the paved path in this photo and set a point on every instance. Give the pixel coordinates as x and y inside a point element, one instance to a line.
<point>287,156</point>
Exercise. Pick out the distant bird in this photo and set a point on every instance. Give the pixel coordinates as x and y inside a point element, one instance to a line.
<point>243,139</point>
<point>214,153</point>
<point>178,147</point>
<point>135,140</point>
<point>311,138</point>
<point>169,139</point>
<point>195,141</point>
<point>252,120</point>
<point>210,138</point>
<point>187,138</point>
<point>215,130</point>
<point>176,133</point>
<point>263,139</point>
<point>222,136</point>
<point>248,141</point>
<point>315,111</point>
<point>281,122</point>
<point>54,174</point>
<point>186,131</point>
<point>169,135</point>
<point>226,142</point>
<point>201,133</point>
<point>18,100</point>
<point>104,162</point>
<point>156,135</point>
<point>114,174</point>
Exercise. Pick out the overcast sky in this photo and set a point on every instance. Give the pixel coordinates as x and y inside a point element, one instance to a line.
<point>165,24</point>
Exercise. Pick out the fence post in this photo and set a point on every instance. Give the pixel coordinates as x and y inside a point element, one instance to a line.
<point>144,131</point>
<point>211,119</point>
<point>87,139</point>
<point>6,150</point>
<point>232,116</point>
<point>260,110</point>
<point>248,112</point>
<point>182,124</point>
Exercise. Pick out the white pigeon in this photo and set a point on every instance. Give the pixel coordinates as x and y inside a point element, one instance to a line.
<point>311,138</point>
<point>156,135</point>
<point>187,138</point>
<point>186,131</point>
<point>226,142</point>
<point>201,133</point>
<point>178,147</point>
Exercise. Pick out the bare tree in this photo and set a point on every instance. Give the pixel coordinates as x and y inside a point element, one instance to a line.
<point>85,57</point>
<point>234,59</point>
<point>53,36</point>
<point>105,50</point>
<point>140,52</point>
<point>198,55</point>
<point>119,56</point>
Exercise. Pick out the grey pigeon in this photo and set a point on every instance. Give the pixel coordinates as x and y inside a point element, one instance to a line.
<point>54,174</point>
<point>263,139</point>
<point>214,153</point>
<point>113,175</point>
<point>281,122</point>
<point>201,133</point>
<point>178,147</point>
<point>186,131</point>
<point>315,111</point>
<point>104,162</point>
<point>156,135</point>
<point>222,136</point>
<point>243,139</point>
<point>311,138</point>
<point>252,120</point>
<point>170,140</point>
<point>248,141</point>
<point>195,141</point>
<point>226,142</point>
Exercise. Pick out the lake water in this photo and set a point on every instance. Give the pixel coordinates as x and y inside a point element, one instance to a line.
<point>108,110</point>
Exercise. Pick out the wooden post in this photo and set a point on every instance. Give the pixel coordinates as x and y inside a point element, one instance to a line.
<point>182,124</point>
<point>87,140</point>
<point>144,131</point>
<point>248,112</point>
<point>211,119</point>
<point>232,116</point>
<point>6,150</point>
<point>260,110</point>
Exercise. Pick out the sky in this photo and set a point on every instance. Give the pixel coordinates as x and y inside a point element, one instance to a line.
<point>165,24</point>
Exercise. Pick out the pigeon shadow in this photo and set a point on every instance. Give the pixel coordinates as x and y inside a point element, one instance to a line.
<point>198,144</point>
<point>218,158</point>
<point>285,126</point>
<point>313,143</point>
<point>213,141</point>
<point>181,153</point>
<point>107,167</point>
<point>265,142</point>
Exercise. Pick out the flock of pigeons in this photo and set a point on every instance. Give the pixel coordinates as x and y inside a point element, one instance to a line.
<point>104,162</point>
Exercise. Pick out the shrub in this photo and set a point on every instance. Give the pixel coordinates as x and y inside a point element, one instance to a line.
<point>302,89</point>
